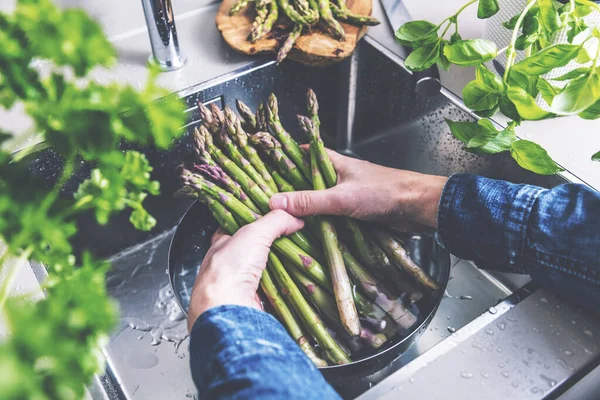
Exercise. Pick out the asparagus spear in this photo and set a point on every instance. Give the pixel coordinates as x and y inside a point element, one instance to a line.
<point>271,147</point>
<point>312,105</point>
<point>394,275</point>
<point>377,292</point>
<point>257,195</point>
<point>229,224</point>
<point>305,312</point>
<point>374,315</point>
<point>200,149</point>
<point>353,19</point>
<point>332,25</point>
<point>326,304</point>
<point>260,29</point>
<point>300,258</point>
<point>262,11</point>
<point>261,119</point>
<point>295,16</point>
<point>298,156</point>
<point>337,269</point>
<point>238,6</point>
<point>282,184</point>
<point>217,175</point>
<point>398,254</point>
<point>231,126</point>
<point>287,318</point>
<point>289,42</point>
<point>247,114</point>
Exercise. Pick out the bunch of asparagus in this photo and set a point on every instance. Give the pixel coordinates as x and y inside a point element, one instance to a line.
<point>303,14</point>
<point>325,288</point>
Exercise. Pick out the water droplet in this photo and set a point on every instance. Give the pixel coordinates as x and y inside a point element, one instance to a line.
<point>505,374</point>
<point>489,332</point>
<point>551,382</point>
<point>465,297</point>
<point>568,353</point>
<point>534,389</point>
<point>466,375</point>
<point>501,325</point>
<point>515,384</point>
<point>501,365</point>
<point>588,332</point>
<point>499,350</point>
<point>544,300</point>
<point>411,380</point>
<point>485,375</point>
<point>511,318</point>
<point>536,330</point>
<point>492,310</point>
<point>451,329</point>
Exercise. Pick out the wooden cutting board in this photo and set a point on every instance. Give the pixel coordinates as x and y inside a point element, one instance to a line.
<point>314,48</point>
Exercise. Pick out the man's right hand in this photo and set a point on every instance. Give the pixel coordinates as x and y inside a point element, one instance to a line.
<point>405,200</point>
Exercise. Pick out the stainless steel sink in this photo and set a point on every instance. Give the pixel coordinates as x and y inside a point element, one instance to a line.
<point>369,108</point>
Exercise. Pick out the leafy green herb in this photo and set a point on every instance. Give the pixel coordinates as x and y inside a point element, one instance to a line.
<point>576,73</point>
<point>478,97</point>
<point>579,94</point>
<point>470,52</point>
<point>487,8</point>
<point>54,349</point>
<point>465,131</point>
<point>549,19</point>
<point>488,79</point>
<point>533,157</point>
<point>423,57</point>
<point>596,156</point>
<point>547,59</point>
<point>592,112</point>
<point>417,32</point>
<point>525,104</point>
<point>492,141</point>
<point>547,90</point>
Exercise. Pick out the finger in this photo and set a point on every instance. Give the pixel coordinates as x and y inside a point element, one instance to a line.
<point>339,161</point>
<point>218,235</point>
<point>270,227</point>
<point>311,202</point>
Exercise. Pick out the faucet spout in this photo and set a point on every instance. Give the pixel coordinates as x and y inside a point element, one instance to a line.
<point>163,34</point>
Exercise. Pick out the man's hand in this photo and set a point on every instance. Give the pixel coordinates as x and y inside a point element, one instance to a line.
<point>233,266</point>
<point>405,200</point>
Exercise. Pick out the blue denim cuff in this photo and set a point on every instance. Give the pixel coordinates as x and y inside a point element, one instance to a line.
<point>485,220</point>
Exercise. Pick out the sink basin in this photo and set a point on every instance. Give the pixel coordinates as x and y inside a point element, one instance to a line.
<point>370,109</point>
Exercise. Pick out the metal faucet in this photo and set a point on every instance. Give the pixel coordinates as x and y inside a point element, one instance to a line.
<point>163,34</point>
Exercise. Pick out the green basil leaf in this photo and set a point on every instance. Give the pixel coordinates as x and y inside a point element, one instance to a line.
<point>511,23</point>
<point>479,98</point>
<point>488,79</point>
<point>415,32</point>
<point>583,56</point>
<point>579,94</point>
<point>582,10</point>
<point>524,41</point>
<point>508,108</point>
<point>549,18</point>
<point>531,24</point>
<point>442,60</point>
<point>465,131</point>
<point>533,157</point>
<point>470,52</point>
<point>487,8</point>
<point>592,112</point>
<point>488,113</point>
<point>547,90</point>
<point>455,37</point>
<point>547,59</point>
<point>492,141</point>
<point>575,28</point>
<point>423,57</point>
<point>525,104</point>
<point>576,73</point>
<point>596,156</point>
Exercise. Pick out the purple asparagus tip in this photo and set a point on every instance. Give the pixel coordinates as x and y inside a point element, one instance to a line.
<point>306,260</point>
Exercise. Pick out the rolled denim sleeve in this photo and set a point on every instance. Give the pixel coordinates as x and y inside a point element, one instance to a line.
<point>239,353</point>
<point>551,234</point>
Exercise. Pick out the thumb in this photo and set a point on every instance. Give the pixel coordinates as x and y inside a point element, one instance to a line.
<point>310,202</point>
<point>268,228</point>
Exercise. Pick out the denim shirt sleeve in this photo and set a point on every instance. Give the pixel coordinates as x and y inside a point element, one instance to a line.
<point>239,353</point>
<point>551,234</point>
